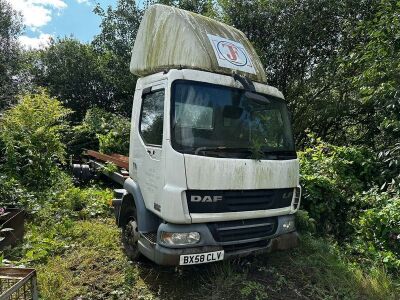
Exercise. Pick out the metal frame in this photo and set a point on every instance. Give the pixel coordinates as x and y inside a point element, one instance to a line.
<point>19,283</point>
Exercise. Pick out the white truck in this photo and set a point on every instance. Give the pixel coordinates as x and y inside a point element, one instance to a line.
<point>213,171</point>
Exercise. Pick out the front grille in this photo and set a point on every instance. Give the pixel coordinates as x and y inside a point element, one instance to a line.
<point>245,246</point>
<point>218,201</point>
<point>243,229</point>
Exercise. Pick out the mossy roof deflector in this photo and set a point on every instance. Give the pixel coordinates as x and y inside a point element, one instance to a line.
<point>173,38</point>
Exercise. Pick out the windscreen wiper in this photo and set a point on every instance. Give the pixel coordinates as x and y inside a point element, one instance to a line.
<point>281,153</point>
<point>277,153</point>
<point>220,148</point>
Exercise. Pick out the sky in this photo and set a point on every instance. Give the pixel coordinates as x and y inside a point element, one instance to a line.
<point>46,19</point>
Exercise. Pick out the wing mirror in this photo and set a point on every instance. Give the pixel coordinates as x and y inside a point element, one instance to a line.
<point>256,97</point>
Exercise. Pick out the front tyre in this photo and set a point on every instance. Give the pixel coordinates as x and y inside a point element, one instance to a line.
<point>130,238</point>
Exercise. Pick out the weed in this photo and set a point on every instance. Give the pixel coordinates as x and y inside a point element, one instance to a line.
<point>253,290</point>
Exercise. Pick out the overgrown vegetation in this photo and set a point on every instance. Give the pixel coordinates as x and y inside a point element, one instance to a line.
<point>101,130</point>
<point>331,175</point>
<point>341,192</point>
<point>377,237</point>
<point>337,63</point>
<point>31,135</point>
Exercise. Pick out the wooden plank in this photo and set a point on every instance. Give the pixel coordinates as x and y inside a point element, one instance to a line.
<point>118,159</point>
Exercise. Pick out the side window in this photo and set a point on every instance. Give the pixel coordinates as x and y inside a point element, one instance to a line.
<point>151,118</point>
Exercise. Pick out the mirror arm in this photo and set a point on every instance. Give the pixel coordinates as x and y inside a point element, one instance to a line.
<point>246,82</point>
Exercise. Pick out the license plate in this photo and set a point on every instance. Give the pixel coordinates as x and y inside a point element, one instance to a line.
<point>201,258</point>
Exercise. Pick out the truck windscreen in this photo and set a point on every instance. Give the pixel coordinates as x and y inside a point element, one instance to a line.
<point>220,121</point>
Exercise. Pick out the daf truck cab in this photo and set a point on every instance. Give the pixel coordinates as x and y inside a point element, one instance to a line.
<point>213,171</point>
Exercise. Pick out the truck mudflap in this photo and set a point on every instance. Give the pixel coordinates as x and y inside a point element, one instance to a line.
<point>172,256</point>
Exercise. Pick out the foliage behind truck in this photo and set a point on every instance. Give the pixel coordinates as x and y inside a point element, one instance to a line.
<point>213,171</point>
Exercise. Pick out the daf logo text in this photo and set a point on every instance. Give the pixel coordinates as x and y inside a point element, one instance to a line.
<point>205,198</point>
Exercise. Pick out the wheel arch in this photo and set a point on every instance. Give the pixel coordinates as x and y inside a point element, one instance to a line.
<point>133,199</point>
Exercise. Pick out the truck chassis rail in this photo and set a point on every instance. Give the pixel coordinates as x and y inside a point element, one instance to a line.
<point>117,159</point>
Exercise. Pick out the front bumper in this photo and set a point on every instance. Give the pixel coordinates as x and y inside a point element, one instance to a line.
<point>170,256</point>
<point>165,255</point>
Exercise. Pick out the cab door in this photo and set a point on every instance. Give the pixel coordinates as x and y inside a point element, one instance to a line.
<point>148,151</point>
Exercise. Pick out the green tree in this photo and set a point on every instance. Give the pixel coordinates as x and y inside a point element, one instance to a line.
<point>203,7</point>
<point>372,70</point>
<point>119,26</point>
<point>10,29</point>
<point>301,43</point>
<point>72,72</point>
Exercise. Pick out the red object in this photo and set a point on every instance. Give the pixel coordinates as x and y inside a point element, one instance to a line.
<point>119,160</point>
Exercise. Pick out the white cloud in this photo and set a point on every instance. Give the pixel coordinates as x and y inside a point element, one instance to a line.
<point>54,3</point>
<point>83,1</point>
<point>36,42</point>
<point>37,13</point>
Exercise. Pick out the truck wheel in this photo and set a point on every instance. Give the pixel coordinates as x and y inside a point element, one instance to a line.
<point>130,238</point>
<point>82,172</point>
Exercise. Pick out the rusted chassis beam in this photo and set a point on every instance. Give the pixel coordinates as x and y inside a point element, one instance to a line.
<point>117,159</point>
<point>96,161</point>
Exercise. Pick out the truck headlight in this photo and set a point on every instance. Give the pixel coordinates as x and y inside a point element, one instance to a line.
<point>180,238</point>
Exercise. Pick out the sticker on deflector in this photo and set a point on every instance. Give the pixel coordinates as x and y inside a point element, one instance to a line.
<point>231,54</point>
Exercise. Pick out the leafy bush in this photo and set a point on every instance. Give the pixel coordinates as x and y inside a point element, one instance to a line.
<point>330,176</point>
<point>12,194</point>
<point>304,223</point>
<point>323,201</point>
<point>32,136</point>
<point>115,141</point>
<point>352,168</point>
<point>378,227</point>
<point>391,166</point>
<point>102,130</point>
